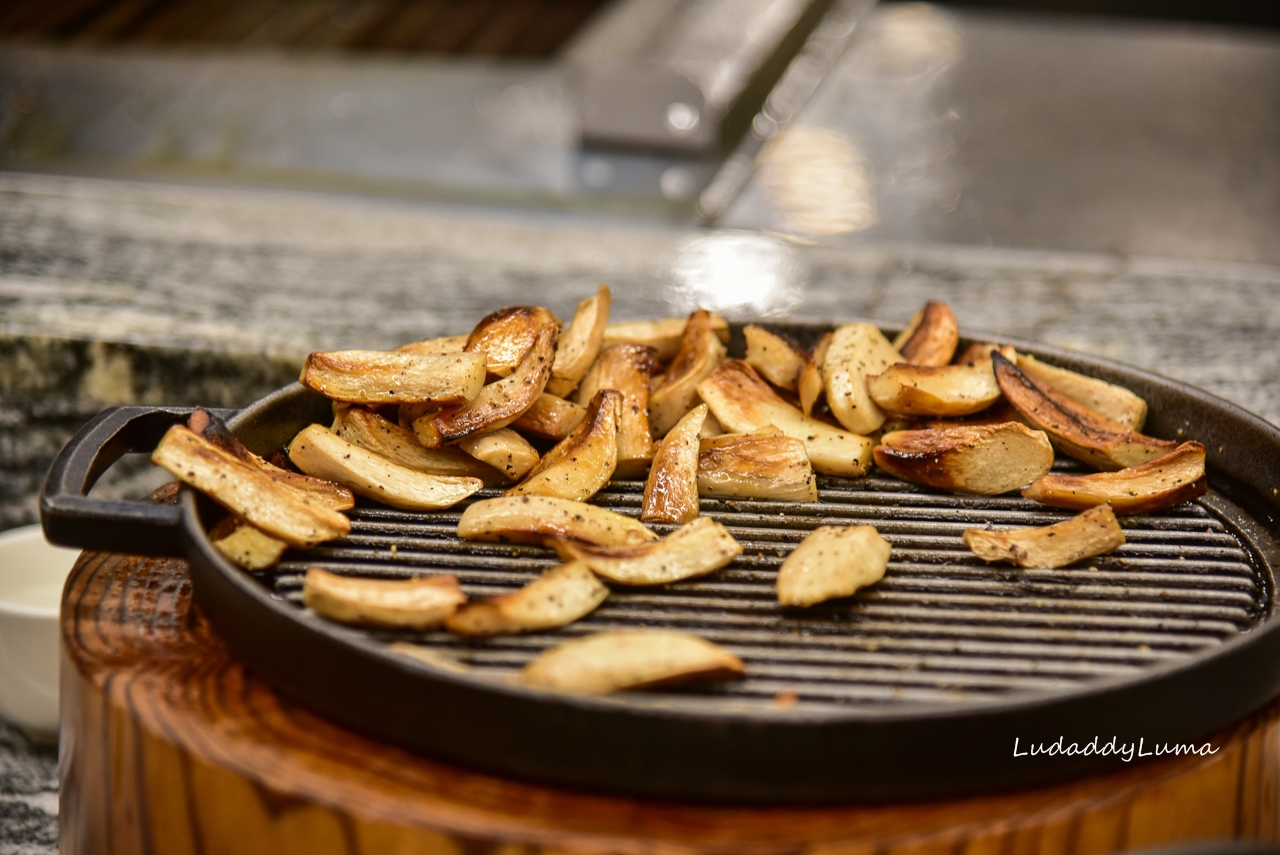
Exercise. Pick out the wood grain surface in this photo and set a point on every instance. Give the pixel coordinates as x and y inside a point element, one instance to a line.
<point>169,746</point>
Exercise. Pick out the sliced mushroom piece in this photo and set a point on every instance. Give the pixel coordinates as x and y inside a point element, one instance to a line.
<point>556,598</point>
<point>626,368</point>
<point>299,518</point>
<point>1106,399</point>
<point>419,604</point>
<point>931,336</point>
<point>1073,427</point>
<point>985,460</point>
<point>580,343</point>
<point>1168,480</point>
<point>550,418</point>
<point>700,352</point>
<point>929,390</point>
<point>499,403</point>
<point>810,387</point>
<point>445,344</point>
<point>531,519</point>
<point>757,466</point>
<point>249,547</point>
<point>671,491</point>
<point>317,451</point>
<point>832,561</point>
<point>742,403</point>
<point>504,338</point>
<point>584,461</point>
<point>387,439</point>
<point>504,450</point>
<point>663,336</point>
<point>773,356</point>
<point>856,351</point>
<point>1087,535</point>
<point>629,659</point>
<point>394,377</point>
<point>696,549</point>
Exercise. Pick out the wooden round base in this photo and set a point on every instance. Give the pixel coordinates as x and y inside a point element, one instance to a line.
<point>169,746</point>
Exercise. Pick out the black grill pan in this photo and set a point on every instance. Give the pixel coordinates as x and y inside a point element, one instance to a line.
<point>917,687</point>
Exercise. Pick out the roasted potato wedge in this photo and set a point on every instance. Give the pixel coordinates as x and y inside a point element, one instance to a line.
<point>742,403</point>
<point>399,445</point>
<point>319,452</point>
<point>556,598</point>
<point>445,344</point>
<point>1091,533</point>
<point>773,357</point>
<point>625,368</point>
<point>931,337</point>
<point>629,659</point>
<point>696,549</point>
<point>504,338</point>
<point>663,336</point>
<point>1168,480</point>
<point>550,418</point>
<point>985,460</point>
<point>249,547</point>
<point>580,343</point>
<point>584,461</point>
<point>856,351</point>
<point>934,390</point>
<point>531,519</point>
<point>394,377</point>
<point>700,352</point>
<point>297,517</point>
<point>1106,399</point>
<point>757,466</point>
<point>419,604</point>
<point>499,403</point>
<point>832,561</point>
<point>1073,427</point>
<point>671,491</point>
<point>810,387</point>
<point>504,450</point>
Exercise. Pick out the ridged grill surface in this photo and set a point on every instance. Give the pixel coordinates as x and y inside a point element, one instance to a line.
<point>942,629</point>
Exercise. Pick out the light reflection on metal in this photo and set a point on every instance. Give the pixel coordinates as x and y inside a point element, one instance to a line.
<point>682,118</point>
<point>738,274</point>
<point>817,180</point>
<point>914,38</point>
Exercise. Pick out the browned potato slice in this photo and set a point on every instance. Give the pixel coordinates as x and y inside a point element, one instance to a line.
<point>742,403</point>
<point>1166,481</point>
<point>983,459</point>
<point>931,336</point>
<point>1091,533</point>
<point>856,351</point>
<point>832,561</point>
<point>663,336</point>
<point>757,466</point>
<point>580,343</point>
<point>696,549</point>
<point>445,344</point>
<point>550,417</point>
<point>419,604</point>
<point>980,351</point>
<point>499,403</point>
<point>997,414</point>
<point>393,377</point>
<point>504,450</point>
<point>250,548</point>
<point>626,368</point>
<point>556,598</point>
<point>584,461</point>
<point>1073,427</point>
<point>728,440</point>
<point>298,518</point>
<point>929,390</point>
<point>629,659</point>
<point>775,359</point>
<point>671,492</point>
<point>1106,399</point>
<point>504,337</point>
<point>531,519</point>
<point>317,451</point>
<point>810,387</point>
<point>700,352</point>
<point>387,439</point>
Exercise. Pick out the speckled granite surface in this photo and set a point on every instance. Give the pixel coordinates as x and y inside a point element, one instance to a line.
<point>28,795</point>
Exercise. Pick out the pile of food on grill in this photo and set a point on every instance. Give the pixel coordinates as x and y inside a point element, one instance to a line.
<point>429,424</point>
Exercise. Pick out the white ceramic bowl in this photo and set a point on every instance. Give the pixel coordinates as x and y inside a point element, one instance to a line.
<point>32,573</point>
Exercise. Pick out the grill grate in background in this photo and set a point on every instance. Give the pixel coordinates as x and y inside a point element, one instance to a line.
<point>941,629</point>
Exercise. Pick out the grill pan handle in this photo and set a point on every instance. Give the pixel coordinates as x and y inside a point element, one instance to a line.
<point>71,518</point>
